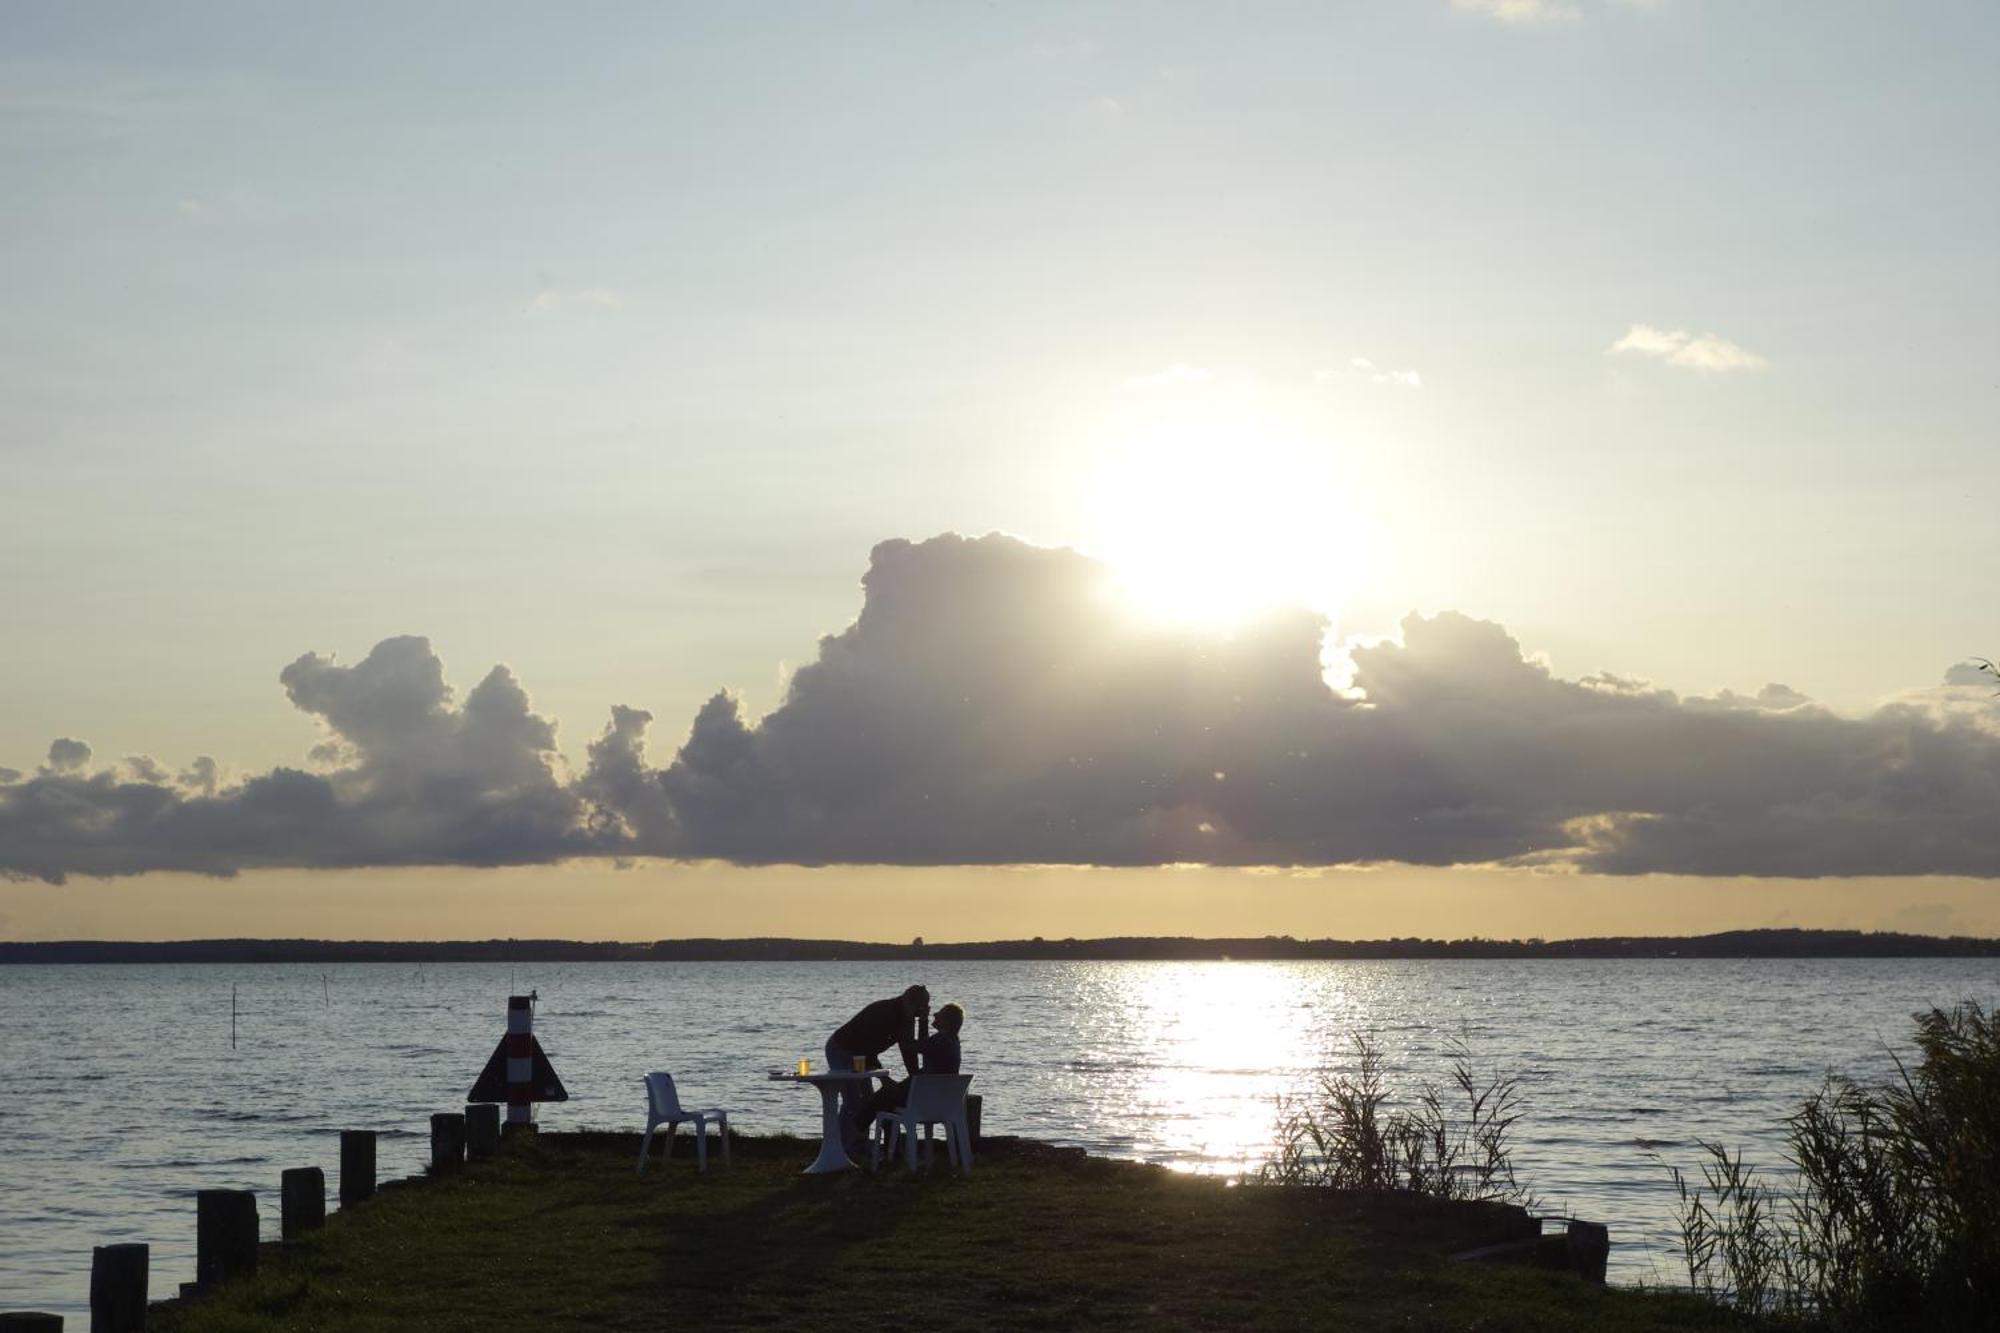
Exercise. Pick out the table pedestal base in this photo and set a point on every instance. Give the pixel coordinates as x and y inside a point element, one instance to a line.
<point>833,1156</point>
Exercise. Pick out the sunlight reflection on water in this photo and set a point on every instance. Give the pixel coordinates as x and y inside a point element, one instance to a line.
<point>134,1098</point>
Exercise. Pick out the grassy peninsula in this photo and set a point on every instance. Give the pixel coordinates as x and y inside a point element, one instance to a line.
<point>559,1232</point>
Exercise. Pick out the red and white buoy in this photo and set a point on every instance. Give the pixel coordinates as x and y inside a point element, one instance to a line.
<point>518,1074</point>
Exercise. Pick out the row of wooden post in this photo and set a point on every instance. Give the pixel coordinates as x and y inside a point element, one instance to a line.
<point>226,1225</point>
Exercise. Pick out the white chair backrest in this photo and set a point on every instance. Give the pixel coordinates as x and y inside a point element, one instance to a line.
<point>660,1092</point>
<point>938,1096</point>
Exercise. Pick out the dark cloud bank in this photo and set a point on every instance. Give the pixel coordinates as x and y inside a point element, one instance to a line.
<point>992,704</point>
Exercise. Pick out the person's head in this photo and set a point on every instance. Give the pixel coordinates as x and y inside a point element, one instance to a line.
<point>950,1018</point>
<point>916,1000</point>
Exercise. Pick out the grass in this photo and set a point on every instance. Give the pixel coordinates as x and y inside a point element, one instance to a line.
<point>560,1233</point>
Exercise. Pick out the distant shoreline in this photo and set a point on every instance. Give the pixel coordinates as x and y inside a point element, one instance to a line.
<point>1269,948</point>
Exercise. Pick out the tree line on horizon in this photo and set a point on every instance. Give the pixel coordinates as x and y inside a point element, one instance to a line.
<point>1766,943</point>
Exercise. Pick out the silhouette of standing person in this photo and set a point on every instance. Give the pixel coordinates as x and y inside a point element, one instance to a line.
<point>885,1023</point>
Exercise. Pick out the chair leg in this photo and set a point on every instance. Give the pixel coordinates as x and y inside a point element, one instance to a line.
<point>909,1132</point>
<point>645,1143</point>
<point>701,1143</point>
<point>723,1120</point>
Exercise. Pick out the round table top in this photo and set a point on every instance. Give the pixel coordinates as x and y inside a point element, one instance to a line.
<point>837,1075</point>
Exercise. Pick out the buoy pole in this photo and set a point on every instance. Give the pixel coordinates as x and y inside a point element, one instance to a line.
<point>520,1059</point>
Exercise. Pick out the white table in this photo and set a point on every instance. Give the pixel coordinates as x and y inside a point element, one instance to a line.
<point>832,1152</point>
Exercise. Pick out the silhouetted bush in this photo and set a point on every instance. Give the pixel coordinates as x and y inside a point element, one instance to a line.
<point>1892,1216</point>
<point>1343,1134</point>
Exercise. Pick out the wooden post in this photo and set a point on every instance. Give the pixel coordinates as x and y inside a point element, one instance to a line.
<point>357,1166</point>
<point>973,1105</point>
<point>1589,1250</point>
<point>29,1321</point>
<point>482,1130</point>
<point>302,1198</point>
<point>225,1235</point>
<point>118,1288</point>
<point>447,1141</point>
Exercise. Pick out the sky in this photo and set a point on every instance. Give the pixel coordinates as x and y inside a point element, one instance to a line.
<point>1565,425</point>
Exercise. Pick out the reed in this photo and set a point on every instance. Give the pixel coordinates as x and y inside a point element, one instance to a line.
<point>1890,1215</point>
<point>1450,1143</point>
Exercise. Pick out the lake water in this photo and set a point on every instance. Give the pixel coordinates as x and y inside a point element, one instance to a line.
<point>125,1096</point>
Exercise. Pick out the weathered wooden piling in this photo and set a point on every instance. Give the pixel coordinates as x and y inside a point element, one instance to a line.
<point>225,1235</point>
<point>1589,1250</point>
<point>357,1166</point>
<point>482,1130</point>
<point>302,1201</point>
<point>29,1321</point>
<point>118,1288</point>
<point>447,1141</point>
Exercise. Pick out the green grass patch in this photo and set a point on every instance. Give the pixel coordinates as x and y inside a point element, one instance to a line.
<point>560,1232</point>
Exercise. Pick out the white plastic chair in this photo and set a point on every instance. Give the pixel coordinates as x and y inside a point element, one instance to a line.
<point>935,1099</point>
<point>663,1107</point>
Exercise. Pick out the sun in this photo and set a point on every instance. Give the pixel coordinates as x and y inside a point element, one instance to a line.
<point>1213,523</point>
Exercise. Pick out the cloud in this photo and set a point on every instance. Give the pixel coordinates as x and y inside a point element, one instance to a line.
<point>986,707</point>
<point>993,703</point>
<point>1973,671</point>
<point>1518,11</point>
<point>147,769</point>
<point>1691,351</point>
<point>410,777</point>
<point>66,755</point>
<point>1361,367</point>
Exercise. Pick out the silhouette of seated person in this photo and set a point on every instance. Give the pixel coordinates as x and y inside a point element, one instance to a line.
<point>937,1053</point>
<point>885,1023</point>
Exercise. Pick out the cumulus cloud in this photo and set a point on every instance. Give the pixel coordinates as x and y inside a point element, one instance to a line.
<point>1973,671</point>
<point>993,703</point>
<point>986,707</point>
<point>1691,351</point>
<point>409,776</point>
<point>66,755</point>
<point>146,768</point>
